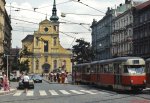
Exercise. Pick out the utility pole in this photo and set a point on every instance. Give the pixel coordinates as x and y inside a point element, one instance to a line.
<point>7,62</point>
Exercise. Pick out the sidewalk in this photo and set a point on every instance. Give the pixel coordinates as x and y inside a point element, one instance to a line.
<point>13,89</point>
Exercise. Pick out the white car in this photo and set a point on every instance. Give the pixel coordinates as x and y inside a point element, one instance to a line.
<point>12,77</point>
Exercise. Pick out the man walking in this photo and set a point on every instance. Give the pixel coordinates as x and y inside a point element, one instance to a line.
<point>26,82</point>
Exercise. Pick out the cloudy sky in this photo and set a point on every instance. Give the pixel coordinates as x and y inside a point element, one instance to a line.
<point>25,20</point>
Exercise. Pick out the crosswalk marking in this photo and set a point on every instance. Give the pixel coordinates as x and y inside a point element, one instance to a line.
<point>64,92</point>
<point>56,92</point>
<point>86,91</point>
<point>74,91</point>
<point>18,93</point>
<point>29,93</point>
<point>42,93</point>
<point>53,92</point>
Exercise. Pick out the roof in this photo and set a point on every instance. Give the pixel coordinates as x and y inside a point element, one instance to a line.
<point>148,60</point>
<point>45,21</point>
<point>143,5</point>
<point>28,38</point>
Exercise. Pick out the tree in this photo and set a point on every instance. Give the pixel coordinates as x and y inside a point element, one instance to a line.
<point>82,52</point>
<point>3,61</point>
<point>24,65</point>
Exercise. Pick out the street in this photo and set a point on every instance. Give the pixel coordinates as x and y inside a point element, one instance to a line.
<point>68,93</point>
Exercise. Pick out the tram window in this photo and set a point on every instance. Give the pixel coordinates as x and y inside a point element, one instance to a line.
<point>125,69</point>
<point>98,68</point>
<point>116,68</point>
<point>135,69</point>
<point>148,67</point>
<point>135,61</point>
<point>93,69</point>
<point>110,68</point>
<point>88,70</point>
<point>106,68</point>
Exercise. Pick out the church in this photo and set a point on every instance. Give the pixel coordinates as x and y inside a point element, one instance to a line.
<point>47,53</point>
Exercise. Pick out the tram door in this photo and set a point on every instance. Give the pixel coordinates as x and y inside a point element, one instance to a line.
<point>117,74</point>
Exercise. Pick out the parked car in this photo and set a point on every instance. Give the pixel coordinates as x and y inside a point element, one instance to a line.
<point>21,86</point>
<point>13,77</point>
<point>36,78</point>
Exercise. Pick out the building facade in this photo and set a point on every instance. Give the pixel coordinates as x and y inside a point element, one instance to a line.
<point>122,34</point>
<point>141,30</point>
<point>47,53</point>
<point>101,36</point>
<point>5,33</point>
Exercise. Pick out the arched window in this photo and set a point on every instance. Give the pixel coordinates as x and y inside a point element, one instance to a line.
<point>37,64</point>
<point>56,28</point>
<point>64,64</point>
<point>45,46</point>
<point>55,64</point>
<point>55,41</point>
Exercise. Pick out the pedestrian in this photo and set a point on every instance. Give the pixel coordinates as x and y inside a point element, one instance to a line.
<point>5,83</point>
<point>63,75</point>
<point>51,77</point>
<point>66,78</point>
<point>58,77</point>
<point>55,77</point>
<point>26,82</point>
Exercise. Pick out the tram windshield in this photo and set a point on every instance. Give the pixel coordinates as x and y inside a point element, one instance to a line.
<point>134,69</point>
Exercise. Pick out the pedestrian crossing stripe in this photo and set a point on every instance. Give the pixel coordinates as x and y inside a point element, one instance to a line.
<point>42,93</point>
<point>74,91</point>
<point>18,93</point>
<point>53,92</point>
<point>64,92</point>
<point>86,91</point>
<point>30,93</point>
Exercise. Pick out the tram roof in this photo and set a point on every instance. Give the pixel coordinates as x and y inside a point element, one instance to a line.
<point>148,59</point>
<point>118,59</point>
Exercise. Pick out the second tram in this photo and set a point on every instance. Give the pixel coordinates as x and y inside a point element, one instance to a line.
<point>148,72</point>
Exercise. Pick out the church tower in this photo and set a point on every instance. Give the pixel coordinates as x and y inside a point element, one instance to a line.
<point>54,17</point>
<point>48,54</point>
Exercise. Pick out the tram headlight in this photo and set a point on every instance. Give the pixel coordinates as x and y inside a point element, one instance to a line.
<point>144,81</point>
<point>131,81</point>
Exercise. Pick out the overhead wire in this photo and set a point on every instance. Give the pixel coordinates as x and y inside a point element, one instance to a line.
<point>83,14</point>
<point>56,4</point>
<point>89,6</point>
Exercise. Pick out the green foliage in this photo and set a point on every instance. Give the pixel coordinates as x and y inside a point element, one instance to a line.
<point>25,52</point>
<point>4,61</point>
<point>82,52</point>
<point>24,66</point>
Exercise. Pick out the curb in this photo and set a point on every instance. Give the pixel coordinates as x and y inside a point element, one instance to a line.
<point>12,90</point>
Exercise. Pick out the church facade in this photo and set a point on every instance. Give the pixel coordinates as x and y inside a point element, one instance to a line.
<point>46,52</point>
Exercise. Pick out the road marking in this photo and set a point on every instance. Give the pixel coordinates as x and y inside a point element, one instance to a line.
<point>18,93</point>
<point>53,92</point>
<point>42,93</point>
<point>77,92</point>
<point>29,93</point>
<point>86,91</point>
<point>64,92</point>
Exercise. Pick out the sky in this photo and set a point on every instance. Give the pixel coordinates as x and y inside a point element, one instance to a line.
<point>25,20</point>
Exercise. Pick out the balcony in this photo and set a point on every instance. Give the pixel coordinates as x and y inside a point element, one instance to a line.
<point>129,39</point>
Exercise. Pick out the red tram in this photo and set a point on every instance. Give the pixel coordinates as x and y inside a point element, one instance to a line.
<point>122,73</point>
<point>148,72</point>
